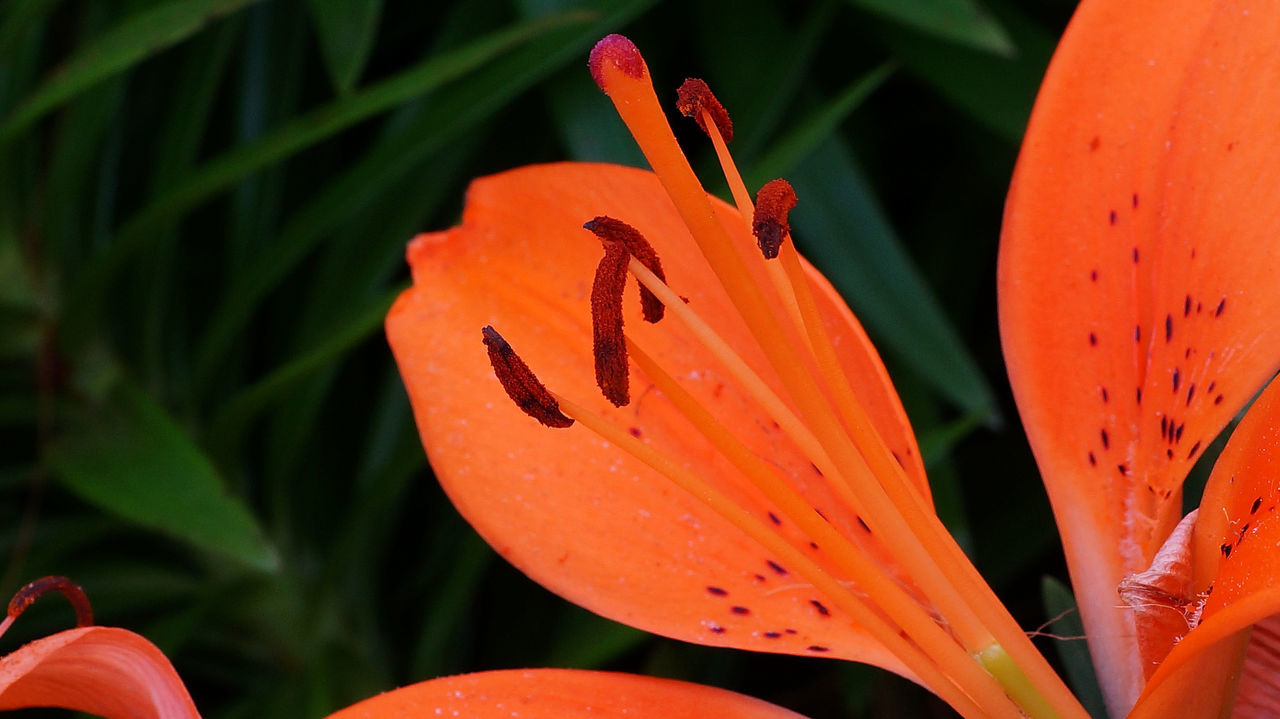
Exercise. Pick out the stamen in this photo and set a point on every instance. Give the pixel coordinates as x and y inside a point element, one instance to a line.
<point>695,98</point>
<point>26,596</point>
<point>529,394</point>
<point>608,343</point>
<point>742,198</point>
<point>919,533</point>
<point>774,202</point>
<point>897,513</point>
<point>611,230</point>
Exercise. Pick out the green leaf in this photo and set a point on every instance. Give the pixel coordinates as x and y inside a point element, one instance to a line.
<point>587,641</point>
<point>237,412</point>
<point>760,88</point>
<point>940,441</point>
<point>132,459</point>
<point>346,29</point>
<point>18,17</point>
<point>843,230</point>
<point>1068,633</point>
<point>961,21</point>
<point>997,91</point>
<point>788,152</point>
<point>128,43</point>
<point>452,598</point>
<point>295,135</point>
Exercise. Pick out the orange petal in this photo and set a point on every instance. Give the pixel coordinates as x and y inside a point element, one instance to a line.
<point>1137,288</point>
<point>1237,554</point>
<point>104,671</point>
<point>561,694</point>
<point>1237,537</point>
<point>1258,693</point>
<point>1202,688</point>
<point>570,511</point>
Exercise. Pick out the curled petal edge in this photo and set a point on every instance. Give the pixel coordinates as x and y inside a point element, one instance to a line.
<point>105,671</point>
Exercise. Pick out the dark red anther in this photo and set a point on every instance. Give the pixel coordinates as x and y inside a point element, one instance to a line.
<point>26,596</point>
<point>693,97</point>
<point>611,230</point>
<point>773,203</point>
<point>608,342</point>
<point>529,394</point>
<point>620,51</point>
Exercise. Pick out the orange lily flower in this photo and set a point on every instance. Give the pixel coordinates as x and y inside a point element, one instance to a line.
<point>762,491</point>
<point>1137,306</point>
<point>104,671</point>
<point>762,488</point>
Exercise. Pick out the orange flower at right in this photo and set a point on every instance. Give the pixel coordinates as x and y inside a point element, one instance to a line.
<point>1140,312</point>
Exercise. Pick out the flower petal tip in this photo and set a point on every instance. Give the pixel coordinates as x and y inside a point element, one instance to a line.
<point>104,671</point>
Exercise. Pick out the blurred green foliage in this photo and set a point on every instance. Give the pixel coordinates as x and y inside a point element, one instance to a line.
<point>203,209</point>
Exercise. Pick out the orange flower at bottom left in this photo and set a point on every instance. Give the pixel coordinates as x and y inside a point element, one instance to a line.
<point>117,674</point>
<point>105,671</point>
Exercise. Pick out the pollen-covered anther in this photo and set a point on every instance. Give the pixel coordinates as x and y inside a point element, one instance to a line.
<point>694,98</point>
<point>609,344</point>
<point>26,596</point>
<point>529,394</point>
<point>619,50</point>
<point>769,224</point>
<point>611,230</point>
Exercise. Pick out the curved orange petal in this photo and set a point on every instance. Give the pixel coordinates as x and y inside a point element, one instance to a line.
<point>1137,289</point>
<point>1237,558</point>
<point>573,513</point>
<point>1202,688</point>
<point>561,694</point>
<point>104,671</point>
<point>1258,693</point>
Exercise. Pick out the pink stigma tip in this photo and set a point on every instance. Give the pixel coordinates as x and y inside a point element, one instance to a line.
<point>620,51</point>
